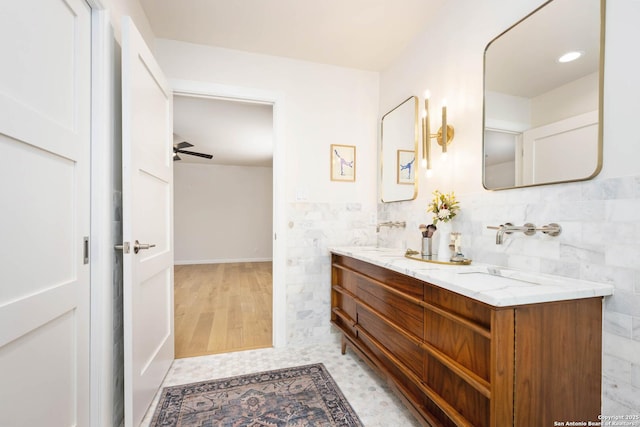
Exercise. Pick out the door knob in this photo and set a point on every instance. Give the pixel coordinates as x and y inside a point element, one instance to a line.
<point>137,246</point>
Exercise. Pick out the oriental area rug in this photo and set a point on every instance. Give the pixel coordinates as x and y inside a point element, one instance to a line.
<point>303,396</point>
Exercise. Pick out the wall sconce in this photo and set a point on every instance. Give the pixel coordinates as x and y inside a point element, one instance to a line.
<point>443,138</point>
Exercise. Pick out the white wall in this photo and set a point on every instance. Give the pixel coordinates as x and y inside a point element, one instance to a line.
<point>507,112</point>
<point>578,97</point>
<point>324,105</point>
<point>222,213</point>
<point>601,228</point>
<point>320,105</point>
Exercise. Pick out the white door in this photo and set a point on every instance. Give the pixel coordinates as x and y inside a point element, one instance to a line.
<point>147,205</point>
<point>45,106</point>
<point>545,147</point>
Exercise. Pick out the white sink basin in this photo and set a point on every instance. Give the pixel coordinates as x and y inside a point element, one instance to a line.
<point>498,275</point>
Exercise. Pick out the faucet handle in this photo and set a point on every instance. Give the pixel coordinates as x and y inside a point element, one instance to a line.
<point>552,229</point>
<point>530,229</point>
<point>504,226</point>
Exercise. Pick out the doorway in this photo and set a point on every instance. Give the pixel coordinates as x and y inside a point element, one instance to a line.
<point>223,225</point>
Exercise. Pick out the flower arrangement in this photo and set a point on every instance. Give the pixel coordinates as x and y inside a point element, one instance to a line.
<point>444,206</point>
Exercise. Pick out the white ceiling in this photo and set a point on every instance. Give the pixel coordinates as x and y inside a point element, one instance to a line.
<point>234,132</point>
<point>364,34</point>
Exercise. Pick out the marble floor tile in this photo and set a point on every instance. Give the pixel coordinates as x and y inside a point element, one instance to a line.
<point>370,398</point>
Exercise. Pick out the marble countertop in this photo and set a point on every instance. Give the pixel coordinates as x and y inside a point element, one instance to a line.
<point>493,285</point>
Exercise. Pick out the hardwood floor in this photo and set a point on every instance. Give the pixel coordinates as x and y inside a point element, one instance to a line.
<point>221,308</point>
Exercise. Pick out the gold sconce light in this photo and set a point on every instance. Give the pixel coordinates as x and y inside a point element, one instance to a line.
<point>443,138</point>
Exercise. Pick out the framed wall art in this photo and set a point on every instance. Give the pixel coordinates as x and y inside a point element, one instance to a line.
<point>343,162</point>
<point>406,167</point>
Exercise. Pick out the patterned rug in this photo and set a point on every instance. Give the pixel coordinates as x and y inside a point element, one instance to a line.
<point>300,396</point>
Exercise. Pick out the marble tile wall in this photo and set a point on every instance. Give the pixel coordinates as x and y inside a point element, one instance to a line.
<point>600,241</point>
<point>312,228</point>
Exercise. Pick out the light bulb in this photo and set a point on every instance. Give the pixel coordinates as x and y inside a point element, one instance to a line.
<point>570,56</point>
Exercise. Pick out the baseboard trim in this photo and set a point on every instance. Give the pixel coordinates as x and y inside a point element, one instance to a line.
<point>220,261</point>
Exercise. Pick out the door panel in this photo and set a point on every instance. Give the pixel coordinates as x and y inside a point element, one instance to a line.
<point>45,105</point>
<point>52,177</point>
<point>544,148</point>
<point>43,37</point>
<point>151,213</point>
<point>147,206</point>
<point>25,366</point>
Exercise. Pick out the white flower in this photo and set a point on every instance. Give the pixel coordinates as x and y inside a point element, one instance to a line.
<point>443,214</point>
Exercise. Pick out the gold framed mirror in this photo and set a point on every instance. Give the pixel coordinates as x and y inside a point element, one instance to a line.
<point>399,152</point>
<point>542,114</point>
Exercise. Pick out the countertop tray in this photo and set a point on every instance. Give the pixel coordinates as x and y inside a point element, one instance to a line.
<point>414,255</point>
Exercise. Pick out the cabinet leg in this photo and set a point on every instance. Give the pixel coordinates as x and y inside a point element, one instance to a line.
<point>343,345</point>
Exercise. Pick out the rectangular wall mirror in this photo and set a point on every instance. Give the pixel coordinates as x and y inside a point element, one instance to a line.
<point>542,112</point>
<point>399,152</point>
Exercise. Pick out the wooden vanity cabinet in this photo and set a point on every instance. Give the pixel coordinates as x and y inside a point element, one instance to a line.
<point>455,361</point>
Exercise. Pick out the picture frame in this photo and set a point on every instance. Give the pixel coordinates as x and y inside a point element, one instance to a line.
<point>406,167</point>
<point>343,162</point>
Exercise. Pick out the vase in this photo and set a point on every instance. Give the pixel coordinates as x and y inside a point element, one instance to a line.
<point>427,248</point>
<point>444,233</point>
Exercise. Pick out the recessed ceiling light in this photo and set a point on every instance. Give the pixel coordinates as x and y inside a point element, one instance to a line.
<point>570,56</point>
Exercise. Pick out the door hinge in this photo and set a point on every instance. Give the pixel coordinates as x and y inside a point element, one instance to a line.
<point>85,249</point>
<point>125,247</point>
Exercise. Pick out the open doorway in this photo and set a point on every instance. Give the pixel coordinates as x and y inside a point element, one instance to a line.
<point>223,225</point>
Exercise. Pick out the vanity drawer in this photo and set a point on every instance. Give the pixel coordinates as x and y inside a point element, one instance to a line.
<point>343,310</point>
<point>343,305</point>
<point>467,402</point>
<point>344,278</point>
<point>473,311</point>
<point>466,347</point>
<point>396,281</point>
<point>405,311</point>
<point>405,349</point>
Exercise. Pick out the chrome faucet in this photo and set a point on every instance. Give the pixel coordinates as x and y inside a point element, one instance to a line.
<point>390,224</point>
<point>528,229</point>
<point>507,228</point>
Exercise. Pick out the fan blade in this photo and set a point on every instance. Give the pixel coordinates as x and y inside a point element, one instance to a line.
<point>192,153</point>
<point>176,157</point>
<point>183,144</point>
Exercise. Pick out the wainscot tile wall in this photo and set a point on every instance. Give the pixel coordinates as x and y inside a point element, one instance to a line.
<point>312,228</point>
<point>600,241</point>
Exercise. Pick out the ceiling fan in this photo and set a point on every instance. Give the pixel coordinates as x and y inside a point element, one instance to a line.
<point>179,148</point>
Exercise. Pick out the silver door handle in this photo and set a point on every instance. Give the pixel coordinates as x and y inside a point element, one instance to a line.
<point>124,247</point>
<point>137,246</point>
